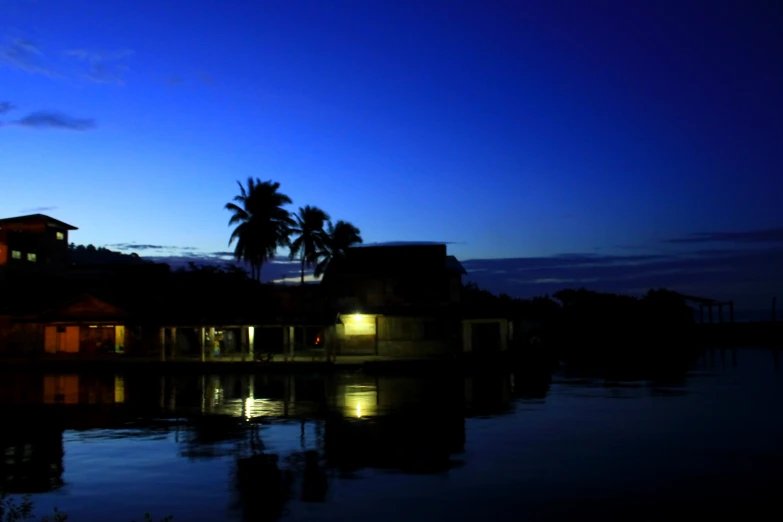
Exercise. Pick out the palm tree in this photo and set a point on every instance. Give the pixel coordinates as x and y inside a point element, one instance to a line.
<point>262,224</point>
<point>311,238</point>
<point>339,237</point>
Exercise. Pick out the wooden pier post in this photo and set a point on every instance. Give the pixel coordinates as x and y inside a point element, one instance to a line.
<point>243,346</point>
<point>202,343</point>
<point>173,352</point>
<point>162,335</point>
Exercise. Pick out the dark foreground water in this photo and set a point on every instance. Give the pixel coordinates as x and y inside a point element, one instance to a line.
<point>516,446</point>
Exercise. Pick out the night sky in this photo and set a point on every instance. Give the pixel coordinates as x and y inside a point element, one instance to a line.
<point>609,144</point>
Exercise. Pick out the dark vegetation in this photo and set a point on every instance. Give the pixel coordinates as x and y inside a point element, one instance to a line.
<point>578,326</point>
<point>262,224</point>
<point>587,328</point>
<point>23,510</point>
<point>89,255</point>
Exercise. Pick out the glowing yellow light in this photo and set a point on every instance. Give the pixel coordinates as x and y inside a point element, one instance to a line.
<point>248,407</point>
<point>359,410</point>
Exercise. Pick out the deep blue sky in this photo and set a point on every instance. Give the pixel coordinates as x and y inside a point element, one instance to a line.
<point>514,129</point>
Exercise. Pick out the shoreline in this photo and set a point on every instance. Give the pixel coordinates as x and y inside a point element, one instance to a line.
<point>303,365</point>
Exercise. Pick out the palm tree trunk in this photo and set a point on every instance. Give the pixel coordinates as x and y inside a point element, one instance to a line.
<point>303,266</point>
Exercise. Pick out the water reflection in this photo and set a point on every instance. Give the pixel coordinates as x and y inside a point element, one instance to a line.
<point>273,443</point>
<point>32,456</point>
<point>344,423</point>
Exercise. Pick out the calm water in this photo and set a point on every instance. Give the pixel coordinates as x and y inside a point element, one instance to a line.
<point>360,447</point>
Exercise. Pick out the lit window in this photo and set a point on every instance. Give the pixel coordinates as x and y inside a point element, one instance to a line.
<point>32,257</point>
<point>16,254</point>
<point>60,235</point>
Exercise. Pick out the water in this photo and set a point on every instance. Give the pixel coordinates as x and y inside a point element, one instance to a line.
<point>517,446</point>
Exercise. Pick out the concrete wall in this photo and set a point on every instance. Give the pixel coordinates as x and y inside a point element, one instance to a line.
<point>414,348</point>
<point>357,345</point>
<point>341,344</point>
<point>398,337</point>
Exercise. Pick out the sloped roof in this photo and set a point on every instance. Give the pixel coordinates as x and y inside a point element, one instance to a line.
<point>85,307</point>
<point>453,265</point>
<point>38,218</point>
<point>395,260</point>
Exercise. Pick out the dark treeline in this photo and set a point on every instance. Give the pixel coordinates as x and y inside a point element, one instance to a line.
<point>586,327</point>
<point>90,255</point>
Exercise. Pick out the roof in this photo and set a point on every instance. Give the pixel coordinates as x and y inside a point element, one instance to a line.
<point>395,260</point>
<point>37,218</point>
<point>453,265</point>
<point>84,307</point>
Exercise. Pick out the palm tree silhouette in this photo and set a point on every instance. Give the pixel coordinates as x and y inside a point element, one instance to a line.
<point>262,224</point>
<point>311,238</point>
<point>339,237</point>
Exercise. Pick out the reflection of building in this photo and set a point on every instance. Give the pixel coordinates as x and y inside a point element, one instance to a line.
<point>35,389</point>
<point>488,394</point>
<point>83,389</point>
<point>32,455</point>
<point>411,424</point>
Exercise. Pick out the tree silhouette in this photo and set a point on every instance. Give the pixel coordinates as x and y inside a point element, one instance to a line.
<point>89,255</point>
<point>312,238</point>
<point>339,237</point>
<point>262,224</point>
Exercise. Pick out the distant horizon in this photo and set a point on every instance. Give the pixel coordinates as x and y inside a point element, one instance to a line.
<point>286,271</point>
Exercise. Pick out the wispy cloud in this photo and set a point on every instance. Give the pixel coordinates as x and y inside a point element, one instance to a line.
<point>35,210</point>
<point>407,243</point>
<point>54,120</point>
<point>146,246</point>
<point>6,107</point>
<point>103,67</point>
<point>723,273</point>
<point>24,55</point>
<point>769,235</point>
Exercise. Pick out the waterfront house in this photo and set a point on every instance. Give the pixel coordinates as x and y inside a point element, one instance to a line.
<point>394,301</point>
<point>151,312</point>
<point>402,301</point>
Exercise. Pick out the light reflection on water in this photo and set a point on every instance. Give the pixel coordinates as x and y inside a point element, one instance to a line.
<point>505,446</point>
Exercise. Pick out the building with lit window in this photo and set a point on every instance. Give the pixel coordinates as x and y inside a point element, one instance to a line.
<point>395,301</point>
<point>33,243</point>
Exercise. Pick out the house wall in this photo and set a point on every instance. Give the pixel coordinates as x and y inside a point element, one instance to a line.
<point>357,293</point>
<point>414,337</point>
<point>395,337</point>
<point>34,237</point>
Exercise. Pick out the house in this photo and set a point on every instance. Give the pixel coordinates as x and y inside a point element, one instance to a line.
<point>397,300</point>
<point>83,323</point>
<point>150,312</point>
<point>33,243</point>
